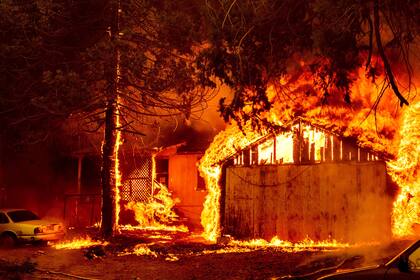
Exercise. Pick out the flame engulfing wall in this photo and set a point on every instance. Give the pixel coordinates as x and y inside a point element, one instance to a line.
<point>373,125</point>
<point>300,144</point>
<point>224,145</point>
<point>405,172</point>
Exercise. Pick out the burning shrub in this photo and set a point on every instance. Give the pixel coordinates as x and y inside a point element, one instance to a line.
<point>158,211</point>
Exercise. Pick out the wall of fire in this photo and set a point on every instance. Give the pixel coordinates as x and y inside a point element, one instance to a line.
<point>306,183</point>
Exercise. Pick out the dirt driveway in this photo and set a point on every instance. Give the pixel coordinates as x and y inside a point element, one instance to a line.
<point>181,259</point>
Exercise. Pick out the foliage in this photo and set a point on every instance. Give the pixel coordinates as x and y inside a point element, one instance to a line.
<point>254,44</point>
<point>40,79</point>
<point>57,59</point>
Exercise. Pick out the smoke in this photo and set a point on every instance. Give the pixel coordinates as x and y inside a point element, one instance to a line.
<point>35,177</point>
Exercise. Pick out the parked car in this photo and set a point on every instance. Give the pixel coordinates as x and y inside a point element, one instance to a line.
<point>405,266</point>
<point>23,225</point>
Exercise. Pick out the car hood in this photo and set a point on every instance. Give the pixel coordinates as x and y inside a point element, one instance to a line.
<point>342,274</point>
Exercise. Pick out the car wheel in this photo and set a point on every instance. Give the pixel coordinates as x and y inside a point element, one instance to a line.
<point>7,240</point>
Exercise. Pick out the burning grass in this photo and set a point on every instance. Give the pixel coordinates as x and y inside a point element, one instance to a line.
<point>79,243</point>
<point>173,246</point>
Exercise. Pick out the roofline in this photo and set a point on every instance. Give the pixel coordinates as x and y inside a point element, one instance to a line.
<point>300,119</point>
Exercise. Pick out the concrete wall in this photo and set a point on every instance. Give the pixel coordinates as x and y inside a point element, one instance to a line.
<point>346,201</point>
<point>183,179</point>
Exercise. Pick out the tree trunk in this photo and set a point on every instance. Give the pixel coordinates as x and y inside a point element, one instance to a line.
<point>110,176</point>
<point>108,173</point>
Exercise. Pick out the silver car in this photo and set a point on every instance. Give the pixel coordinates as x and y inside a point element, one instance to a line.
<point>23,225</point>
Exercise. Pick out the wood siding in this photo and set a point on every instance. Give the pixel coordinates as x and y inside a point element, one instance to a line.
<point>346,201</point>
<point>183,180</point>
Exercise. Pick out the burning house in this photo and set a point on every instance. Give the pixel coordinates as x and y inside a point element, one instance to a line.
<point>303,182</point>
<point>174,168</point>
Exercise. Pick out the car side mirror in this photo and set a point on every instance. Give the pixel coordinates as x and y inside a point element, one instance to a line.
<point>403,264</point>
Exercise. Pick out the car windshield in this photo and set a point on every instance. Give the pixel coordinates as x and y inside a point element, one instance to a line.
<point>22,215</point>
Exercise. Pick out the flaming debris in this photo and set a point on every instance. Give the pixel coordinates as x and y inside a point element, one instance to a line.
<point>156,214</point>
<point>79,243</point>
<point>405,172</point>
<point>139,250</point>
<point>174,228</point>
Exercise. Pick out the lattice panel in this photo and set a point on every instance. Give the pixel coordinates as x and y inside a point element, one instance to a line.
<point>138,185</point>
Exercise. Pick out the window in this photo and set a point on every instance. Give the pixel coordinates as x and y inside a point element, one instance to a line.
<point>3,219</point>
<point>22,215</point>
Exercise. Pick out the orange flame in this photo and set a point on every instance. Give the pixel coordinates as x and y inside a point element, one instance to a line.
<point>139,250</point>
<point>117,172</point>
<point>156,214</point>
<point>405,172</point>
<point>224,145</point>
<point>78,243</point>
<point>276,242</point>
<point>373,129</point>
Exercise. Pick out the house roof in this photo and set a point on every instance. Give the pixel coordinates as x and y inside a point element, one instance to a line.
<point>330,129</point>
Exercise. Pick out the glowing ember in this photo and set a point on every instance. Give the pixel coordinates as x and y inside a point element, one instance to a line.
<point>405,172</point>
<point>143,250</point>
<point>171,258</point>
<point>79,243</point>
<point>139,250</point>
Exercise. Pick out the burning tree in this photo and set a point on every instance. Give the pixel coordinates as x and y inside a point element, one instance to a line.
<point>336,63</point>
<point>255,45</point>
<point>115,65</point>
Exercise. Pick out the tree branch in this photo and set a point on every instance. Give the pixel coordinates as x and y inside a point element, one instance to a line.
<point>381,51</point>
